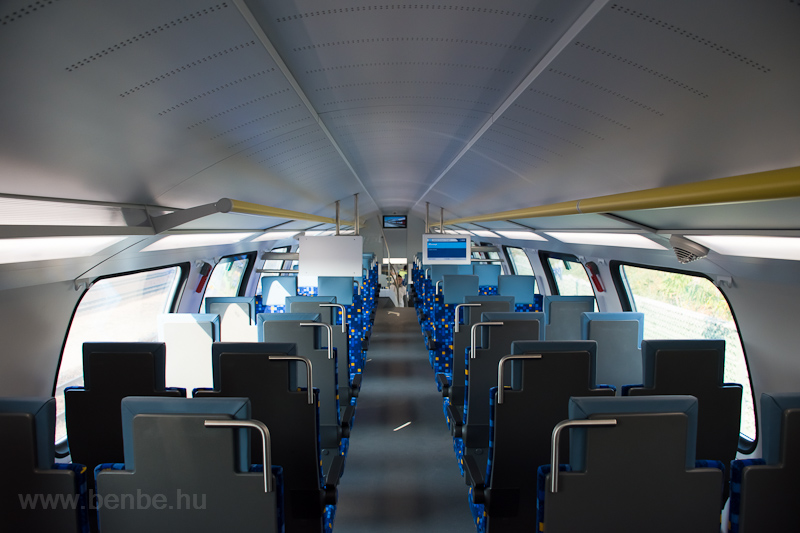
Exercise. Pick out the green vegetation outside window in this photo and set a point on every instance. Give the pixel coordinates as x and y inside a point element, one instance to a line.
<point>683,306</point>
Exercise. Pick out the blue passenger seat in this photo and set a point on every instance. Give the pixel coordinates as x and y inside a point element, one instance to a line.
<point>696,368</point>
<point>311,342</point>
<point>111,371</point>
<point>636,473</point>
<point>182,474</point>
<point>522,288</point>
<point>349,386</point>
<point>619,341</point>
<point>765,492</point>
<point>471,426</point>
<point>563,315</point>
<point>237,316</point>
<point>488,275</point>
<point>275,290</point>
<point>263,373</point>
<point>30,477</point>
<point>545,375</point>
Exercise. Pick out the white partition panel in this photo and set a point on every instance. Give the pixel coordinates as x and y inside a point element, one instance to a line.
<point>329,256</point>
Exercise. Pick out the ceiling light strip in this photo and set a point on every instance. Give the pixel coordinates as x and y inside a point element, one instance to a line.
<point>540,67</point>
<point>273,52</point>
<point>769,185</point>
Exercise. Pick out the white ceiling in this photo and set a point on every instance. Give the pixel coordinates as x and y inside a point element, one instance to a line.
<point>181,103</point>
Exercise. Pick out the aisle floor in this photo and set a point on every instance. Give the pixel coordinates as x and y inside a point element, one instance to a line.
<point>405,480</point>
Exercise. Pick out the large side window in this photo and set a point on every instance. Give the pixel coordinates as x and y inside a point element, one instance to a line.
<point>227,276</point>
<point>677,305</point>
<point>116,309</point>
<point>568,276</point>
<point>519,261</point>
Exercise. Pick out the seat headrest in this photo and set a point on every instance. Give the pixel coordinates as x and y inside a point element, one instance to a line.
<point>582,408</point>
<point>43,411</point>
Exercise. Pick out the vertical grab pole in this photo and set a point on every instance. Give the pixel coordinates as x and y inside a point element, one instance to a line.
<point>441,220</point>
<point>337,218</point>
<point>427,217</point>
<point>356,222</point>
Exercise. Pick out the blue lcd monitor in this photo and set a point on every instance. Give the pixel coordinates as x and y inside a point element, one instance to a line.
<point>438,249</point>
<point>395,221</point>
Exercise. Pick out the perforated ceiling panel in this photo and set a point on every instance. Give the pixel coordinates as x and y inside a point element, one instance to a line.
<point>475,107</point>
<point>648,94</point>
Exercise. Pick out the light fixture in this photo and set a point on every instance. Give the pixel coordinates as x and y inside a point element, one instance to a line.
<point>195,240</point>
<point>484,233</point>
<point>276,235</point>
<point>48,248</point>
<point>522,235</point>
<point>787,248</point>
<point>624,240</point>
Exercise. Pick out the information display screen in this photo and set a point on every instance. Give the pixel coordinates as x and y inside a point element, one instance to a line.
<point>395,221</point>
<point>440,249</point>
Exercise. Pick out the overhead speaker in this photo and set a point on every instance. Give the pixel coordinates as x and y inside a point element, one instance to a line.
<point>685,250</point>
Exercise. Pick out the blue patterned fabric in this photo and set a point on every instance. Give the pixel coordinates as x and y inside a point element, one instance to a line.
<point>330,516</point>
<point>82,490</point>
<point>737,467</point>
<point>535,307</point>
<point>306,291</point>
<point>478,513</point>
<point>458,448</point>
<point>487,290</point>
<point>541,490</point>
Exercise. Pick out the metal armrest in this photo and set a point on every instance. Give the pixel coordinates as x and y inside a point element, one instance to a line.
<point>444,384</point>
<point>455,420</point>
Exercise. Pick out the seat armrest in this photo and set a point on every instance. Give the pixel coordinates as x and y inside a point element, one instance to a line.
<point>455,421</point>
<point>444,384</point>
<point>355,385</point>
<point>346,420</point>
<point>334,473</point>
<point>474,477</point>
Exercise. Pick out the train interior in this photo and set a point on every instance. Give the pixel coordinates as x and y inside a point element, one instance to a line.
<point>158,157</point>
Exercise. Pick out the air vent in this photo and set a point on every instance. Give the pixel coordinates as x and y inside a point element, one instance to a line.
<point>687,251</point>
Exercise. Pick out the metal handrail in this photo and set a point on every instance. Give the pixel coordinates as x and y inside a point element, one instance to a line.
<point>437,286</point>
<point>330,333</point>
<point>266,444</point>
<point>459,306</point>
<point>344,314</point>
<point>426,272</point>
<point>500,372</point>
<point>309,372</point>
<point>556,440</point>
<point>472,335</point>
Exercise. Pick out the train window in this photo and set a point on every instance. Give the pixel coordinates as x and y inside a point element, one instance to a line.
<point>116,309</point>
<point>685,306</point>
<point>226,278</point>
<point>569,276</point>
<point>520,264</point>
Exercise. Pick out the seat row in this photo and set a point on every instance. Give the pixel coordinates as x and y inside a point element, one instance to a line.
<point>144,439</point>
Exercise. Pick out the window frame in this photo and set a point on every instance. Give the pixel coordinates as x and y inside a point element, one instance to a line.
<point>746,446</point>
<point>248,270</point>
<point>62,447</point>
<point>551,277</point>
<point>510,262</point>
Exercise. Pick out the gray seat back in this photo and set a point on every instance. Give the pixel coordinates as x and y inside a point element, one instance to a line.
<point>563,314</point>
<point>641,470</point>
<point>619,340</point>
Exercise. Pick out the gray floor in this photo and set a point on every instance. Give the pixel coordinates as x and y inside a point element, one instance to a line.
<point>405,480</point>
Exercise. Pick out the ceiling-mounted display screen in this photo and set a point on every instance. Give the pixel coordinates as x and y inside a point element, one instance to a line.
<point>395,221</point>
<point>438,249</point>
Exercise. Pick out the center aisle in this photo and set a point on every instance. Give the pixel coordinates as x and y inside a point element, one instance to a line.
<point>405,480</point>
